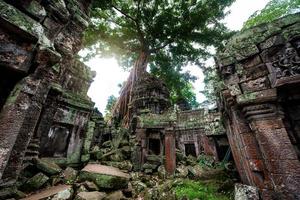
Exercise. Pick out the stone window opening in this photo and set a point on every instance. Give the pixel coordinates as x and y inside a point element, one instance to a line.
<point>154,146</point>
<point>190,149</point>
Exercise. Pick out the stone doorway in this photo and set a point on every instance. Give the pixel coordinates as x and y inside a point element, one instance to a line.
<point>56,142</point>
<point>190,149</point>
<point>154,146</point>
<point>8,80</point>
<point>290,103</point>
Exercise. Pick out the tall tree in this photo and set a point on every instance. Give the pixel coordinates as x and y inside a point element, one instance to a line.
<point>159,32</point>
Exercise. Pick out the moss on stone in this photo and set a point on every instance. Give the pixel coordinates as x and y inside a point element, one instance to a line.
<point>104,181</point>
<point>25,23</point>
<point>245,98</point>
<point>35,182</point>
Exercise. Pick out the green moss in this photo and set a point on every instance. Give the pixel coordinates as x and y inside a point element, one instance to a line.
<point>78,100</point>
<point>104,181</point>
<point>148,120</point>
<point>28,25</point>
<point>89,137</point>
<point>201,190</point>
<point>248,97</point>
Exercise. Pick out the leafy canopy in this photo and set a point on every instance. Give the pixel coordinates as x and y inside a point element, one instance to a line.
<point>273,10</point>
<point>109,106</point>
<point>172,33</point>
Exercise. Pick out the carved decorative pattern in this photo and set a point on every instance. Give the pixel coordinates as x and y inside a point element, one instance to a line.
<point>286,69</point>
<point>256,112</point>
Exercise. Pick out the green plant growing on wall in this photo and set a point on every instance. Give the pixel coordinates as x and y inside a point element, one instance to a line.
<point>273,10</point>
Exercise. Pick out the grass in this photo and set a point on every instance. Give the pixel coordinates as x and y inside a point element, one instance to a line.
<point>200,190</point>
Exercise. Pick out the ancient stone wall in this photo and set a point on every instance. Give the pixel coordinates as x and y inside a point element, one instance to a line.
<point>260,69</point>
<point>43,86</point>
<point>195,132</point>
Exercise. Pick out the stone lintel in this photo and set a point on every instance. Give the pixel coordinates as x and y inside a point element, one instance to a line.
<point>268,95</point>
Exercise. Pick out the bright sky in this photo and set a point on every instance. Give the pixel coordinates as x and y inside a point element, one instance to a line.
<point>109,74</point>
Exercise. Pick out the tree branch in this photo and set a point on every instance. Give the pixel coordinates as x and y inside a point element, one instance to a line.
<point>125,14</point>
<point>137,24</point>
<point>170,41</point>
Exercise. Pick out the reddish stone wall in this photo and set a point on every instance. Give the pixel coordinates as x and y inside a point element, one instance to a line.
<point>170,151</point>
<point>37,48</point>
<point>260,68</point>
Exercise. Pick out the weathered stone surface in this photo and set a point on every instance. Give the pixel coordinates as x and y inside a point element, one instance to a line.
<point>162,173</point>
<point>115,196</point>
<point>60,192</point>
<point>90,186</point>
<point>245,192</point>
<point>260,120</point>
<point>47,167</point>
<point>8,193</point>
<point>57,84</point>
<point>104,176</point>
<point>70,174</point>
<point>182,171</point>
<point>124,165</point>
<point>65,194</point>
<point>149,166</point>
<point>36,182</point>
<point>90,196</point>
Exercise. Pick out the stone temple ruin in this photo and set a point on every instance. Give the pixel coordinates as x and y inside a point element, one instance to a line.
<point>260,103</point>
<point>48,123</point>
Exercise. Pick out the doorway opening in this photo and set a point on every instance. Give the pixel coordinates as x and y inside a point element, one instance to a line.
<point>190,149</point>
<point>154,146</point>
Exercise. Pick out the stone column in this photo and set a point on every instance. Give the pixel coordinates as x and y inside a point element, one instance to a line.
<point>277,151</point>
<point>170,150</point>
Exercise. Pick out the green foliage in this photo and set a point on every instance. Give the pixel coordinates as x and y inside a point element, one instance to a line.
<point>213,85</point>
<point>206,161</point>
<point>172,34</point>
<point>199,190</point>
<point>273,10</point>
<point>178,82</point>
<point>109,106</point>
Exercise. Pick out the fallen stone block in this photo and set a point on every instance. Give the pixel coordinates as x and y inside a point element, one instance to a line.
<point>70,174</point>
<point>245,192</point>
<point>47,166</point>
<point>60,192</point>
<point>115,196</point>
<point>105,177</point>
<point>90,186</point>
<point>35,182</point>
<point>90,195</point>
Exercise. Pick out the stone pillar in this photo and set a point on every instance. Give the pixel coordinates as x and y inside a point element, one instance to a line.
<point>138,152</point>
<point>277,151</point>
<point>170,150</point>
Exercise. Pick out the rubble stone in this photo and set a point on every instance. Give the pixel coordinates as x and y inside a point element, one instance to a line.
<point>246,192</point>
<point>104,176</point>
<point>90,195</point>
<point>47,167</point>
<point>36,182</point>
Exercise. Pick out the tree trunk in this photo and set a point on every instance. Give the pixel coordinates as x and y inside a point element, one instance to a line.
<point>121,108</point>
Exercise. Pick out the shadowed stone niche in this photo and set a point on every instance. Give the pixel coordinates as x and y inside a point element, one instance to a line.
<point>261,102</point>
